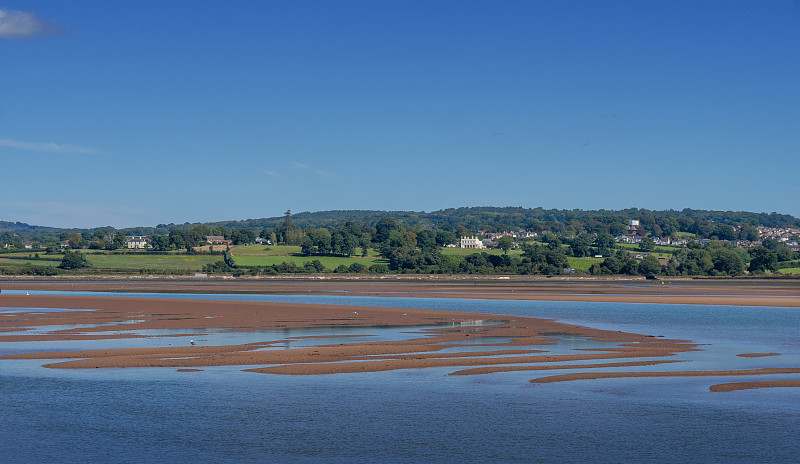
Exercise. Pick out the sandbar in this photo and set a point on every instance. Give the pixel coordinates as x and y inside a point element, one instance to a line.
<point>729,292</point>
<point>525,348</point>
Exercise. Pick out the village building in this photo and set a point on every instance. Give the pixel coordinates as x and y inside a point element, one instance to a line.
<point>218,240</point>
<point>634,228</point>
<point>471,242</point>
<point>137,242</point>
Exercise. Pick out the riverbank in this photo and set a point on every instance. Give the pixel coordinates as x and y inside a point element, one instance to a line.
<point>731,292</point>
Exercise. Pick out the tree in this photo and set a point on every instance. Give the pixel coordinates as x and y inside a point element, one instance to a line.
<point>160,243</point>
<point>444,237</point>
<point>176,239</point>
<point>545,260</point>
<point>314,266</point>
<point>762,259</point>
<point>73,260</point>
<point>605,244</point>
<point>647,244</point>
<point>650,266</point>
<point>748,232</point>
<point>580,246</point>
<point>356,267</point>
<point>693,261</point>
<point>344,241</point>
<point>505,243</point>
<point>118,241</point>
<point>384,228</point>
<point>242,236</point>
<point>781,250</point>
<point>426,240</point>
<point>727,261</point>
<point>321,240</point>
<point>75,240</point>
<point>307,247</point>
<point>285,230</point>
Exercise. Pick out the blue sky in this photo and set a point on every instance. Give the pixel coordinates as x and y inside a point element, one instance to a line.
<point>140,113</point>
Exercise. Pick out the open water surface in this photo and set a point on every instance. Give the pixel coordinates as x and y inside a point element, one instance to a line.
<point>224,415</point>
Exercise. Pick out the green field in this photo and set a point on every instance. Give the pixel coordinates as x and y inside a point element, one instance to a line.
<point>330,262</point>
<point>659,251</point>
<point>22,262</point>
<point>470,251</point>
<point>789,270</point>
<point>583,264</point>
<point>135,261</point>
<point>262,250</point>
<point>260,255</point>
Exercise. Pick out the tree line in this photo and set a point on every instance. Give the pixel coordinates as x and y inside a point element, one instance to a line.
<point>415,247</point>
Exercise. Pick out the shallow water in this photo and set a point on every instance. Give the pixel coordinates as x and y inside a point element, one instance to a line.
<point>224,415</point>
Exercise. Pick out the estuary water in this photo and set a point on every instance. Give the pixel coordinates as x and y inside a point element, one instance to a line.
<point>224,415</point>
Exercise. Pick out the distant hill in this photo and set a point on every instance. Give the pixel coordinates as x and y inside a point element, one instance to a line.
<point>472,218</point>
<point>21,227</point>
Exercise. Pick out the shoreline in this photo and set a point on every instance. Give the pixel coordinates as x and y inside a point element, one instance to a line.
<point>526,350</point>
<point>780,293</point>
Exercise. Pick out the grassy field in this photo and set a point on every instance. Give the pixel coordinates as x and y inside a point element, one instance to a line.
<point>22,262</point>
<point>260,255</point>
<point>659,251</point>
<point>789,270</point>
<point>131,262</point>
<point>583,264</point>
<point>128,262</point>
<point>262,250</point>
<point>330,262</point>
<point>469,251</point>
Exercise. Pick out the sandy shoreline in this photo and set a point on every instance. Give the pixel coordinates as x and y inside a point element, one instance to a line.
<point>733,292</point>
<point>526,350</point>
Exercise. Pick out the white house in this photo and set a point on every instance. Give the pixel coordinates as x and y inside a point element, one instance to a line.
<point>471,242</point>
<point>137,242</point>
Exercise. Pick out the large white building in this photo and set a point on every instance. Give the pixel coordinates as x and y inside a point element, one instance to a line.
<point>137,242</point>
<point>471,242</point>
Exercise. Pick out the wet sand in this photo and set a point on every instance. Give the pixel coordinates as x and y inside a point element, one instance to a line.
<point>731,292</point>
<point>527,349</point>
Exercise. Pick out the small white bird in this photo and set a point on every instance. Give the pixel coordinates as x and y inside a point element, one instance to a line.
<point>191,341</point>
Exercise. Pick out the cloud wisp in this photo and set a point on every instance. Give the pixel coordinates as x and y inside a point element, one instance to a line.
<point>46,147</point>
<point>272,173</point>
<point>319,172</point>
<point>15,24</point>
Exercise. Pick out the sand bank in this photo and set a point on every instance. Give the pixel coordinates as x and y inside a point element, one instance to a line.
<point>632,290</point>
<point>526,348</point>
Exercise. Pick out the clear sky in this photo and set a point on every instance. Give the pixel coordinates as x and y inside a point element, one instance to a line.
<point>128,113</point>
